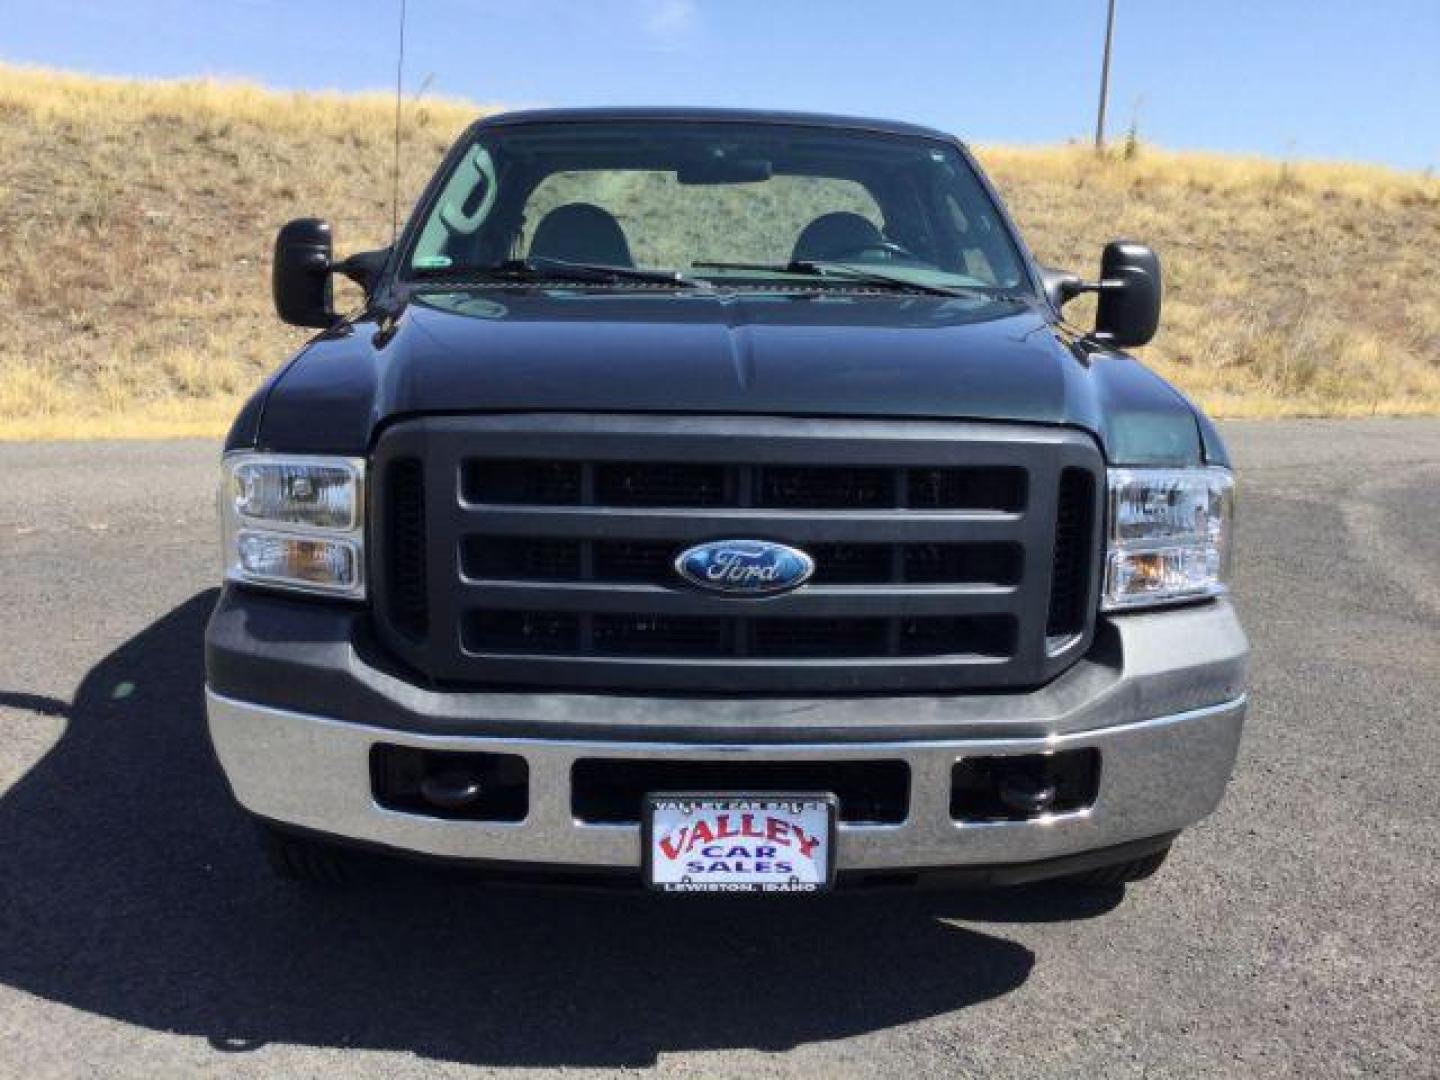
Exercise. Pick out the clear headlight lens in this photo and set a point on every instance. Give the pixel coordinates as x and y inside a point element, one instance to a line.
<point>294,522</point>
<point>1169,535</point>
<point>299,494</point>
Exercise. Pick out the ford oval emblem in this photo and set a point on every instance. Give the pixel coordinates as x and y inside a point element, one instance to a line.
<point>745,567</point>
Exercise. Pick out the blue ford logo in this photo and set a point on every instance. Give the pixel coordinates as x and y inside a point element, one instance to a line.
<point>745,567</point>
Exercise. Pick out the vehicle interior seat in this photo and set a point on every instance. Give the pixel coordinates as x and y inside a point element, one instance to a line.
<point>583,233</point>
<point>835,235</point>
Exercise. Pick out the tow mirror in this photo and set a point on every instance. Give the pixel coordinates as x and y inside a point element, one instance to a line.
<point>1130,288</point>
<point>300,277</point>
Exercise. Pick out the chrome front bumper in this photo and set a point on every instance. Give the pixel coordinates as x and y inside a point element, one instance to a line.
<point>1158,775</point>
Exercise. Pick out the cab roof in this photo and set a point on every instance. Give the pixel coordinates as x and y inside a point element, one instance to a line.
<point>709,115</point>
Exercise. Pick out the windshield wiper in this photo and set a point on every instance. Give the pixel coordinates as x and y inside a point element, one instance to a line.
<point>539,267</point>
<point>846,272</point>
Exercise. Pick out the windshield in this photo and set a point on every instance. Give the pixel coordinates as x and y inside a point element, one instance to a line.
<point>716,201</point>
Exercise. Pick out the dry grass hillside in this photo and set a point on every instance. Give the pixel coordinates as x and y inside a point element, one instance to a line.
<point>136,221</point>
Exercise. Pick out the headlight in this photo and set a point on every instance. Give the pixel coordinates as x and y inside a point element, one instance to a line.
<point>1169,535</point>
<point>294,522</point>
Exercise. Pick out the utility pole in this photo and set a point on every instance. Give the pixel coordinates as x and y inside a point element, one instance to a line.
<point>1105,79</point>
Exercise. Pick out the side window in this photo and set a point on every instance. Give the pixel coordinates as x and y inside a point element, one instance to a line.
<point>977,263</point>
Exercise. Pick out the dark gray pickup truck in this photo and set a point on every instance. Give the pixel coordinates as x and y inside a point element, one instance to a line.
<point>717,501</point>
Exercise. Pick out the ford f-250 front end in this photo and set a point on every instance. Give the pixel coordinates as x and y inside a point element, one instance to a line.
<point>718,501</point>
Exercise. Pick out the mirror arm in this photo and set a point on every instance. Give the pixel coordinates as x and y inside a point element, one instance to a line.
<point>363,267</point>
<point>357,272</point>
<point>1062,286</point>
<point>1075,287</point>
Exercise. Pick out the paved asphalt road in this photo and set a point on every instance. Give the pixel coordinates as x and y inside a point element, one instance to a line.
<point>1295,932</point>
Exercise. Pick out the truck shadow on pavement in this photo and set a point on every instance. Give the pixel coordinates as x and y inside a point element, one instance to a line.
<point>132,888</point>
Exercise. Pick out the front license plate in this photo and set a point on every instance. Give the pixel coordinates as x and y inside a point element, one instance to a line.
<point>739,843</point>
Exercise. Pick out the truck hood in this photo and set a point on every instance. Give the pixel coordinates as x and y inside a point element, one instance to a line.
<point>782,353</point>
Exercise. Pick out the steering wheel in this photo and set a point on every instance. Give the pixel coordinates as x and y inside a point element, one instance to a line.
<point>887,247</point>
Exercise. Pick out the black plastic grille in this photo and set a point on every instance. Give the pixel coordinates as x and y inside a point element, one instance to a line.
<point>997,564</point>
<point>535,483</point>
<point>658,484</point>
<point>853,564</point>
<point>505,558</point>
<point>947,555</point>
<point>969,489</point>
<point>631,560</point>
<point>524,631</point>
<point>709,637</point>
<point>984,635</point>
<point>818,487</point>
<point>699,485</point>
<point>1074,554</point>
<point>819,638</point>
<point>661,635</point>
<point>409,601</point>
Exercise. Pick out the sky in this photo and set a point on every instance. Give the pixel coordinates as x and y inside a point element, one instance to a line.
<point>1353,80</point>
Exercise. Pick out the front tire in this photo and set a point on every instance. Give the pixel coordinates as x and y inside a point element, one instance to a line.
<point>1122,873</point>
<point>311,862</point>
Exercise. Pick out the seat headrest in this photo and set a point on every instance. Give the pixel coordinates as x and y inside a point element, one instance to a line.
<point>581,232</point>
<point>833,235</point>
